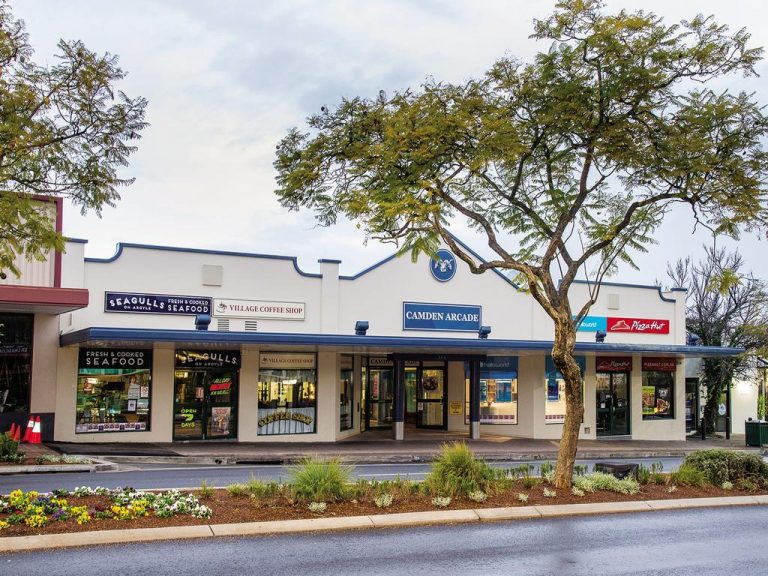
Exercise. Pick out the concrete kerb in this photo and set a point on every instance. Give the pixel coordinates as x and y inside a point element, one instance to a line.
<point>94,466</point>
<point>47,541</point>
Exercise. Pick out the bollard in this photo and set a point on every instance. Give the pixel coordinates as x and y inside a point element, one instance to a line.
<point>703,428</point>
<point>727,427</point>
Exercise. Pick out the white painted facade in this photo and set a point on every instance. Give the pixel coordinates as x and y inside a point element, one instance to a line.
<point>332,304</point>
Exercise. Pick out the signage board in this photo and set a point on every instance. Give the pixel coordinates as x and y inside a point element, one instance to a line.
<point>613,364</point>
<point>638,325</point>
<point>441,317</point>
<point>455,408</point>
<point>593,324</point>
<point>207,358</point>
<point>114,358</point>
<point>659,364</point>
<point>281,360</point>
<point>137,303</point>
<point>261,309</point>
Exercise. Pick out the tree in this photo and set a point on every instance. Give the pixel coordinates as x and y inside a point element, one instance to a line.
<point>64,132</point>
<point>725,307</point>
<point>564,164</point>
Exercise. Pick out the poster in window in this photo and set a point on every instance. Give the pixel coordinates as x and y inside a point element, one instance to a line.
<point>649,400</point>
<point>553,391</point>
<point>220,420</point>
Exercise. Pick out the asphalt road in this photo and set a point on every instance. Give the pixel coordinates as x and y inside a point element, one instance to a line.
<point>680,543</point>
<point>191,477</point>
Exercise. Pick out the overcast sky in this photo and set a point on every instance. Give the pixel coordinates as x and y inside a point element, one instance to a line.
<point>225,80</point>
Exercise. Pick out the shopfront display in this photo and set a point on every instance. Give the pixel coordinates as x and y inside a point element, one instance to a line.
<point>612,395</point>
<point>379,392</point>
<point>498,391</point>
<point>114,389</point>
<point>287,393</point>
<point>16,332</point>
<point>346,392</point>
<point>554,407</point>
<point>205,394</point>
<point>659,388</point>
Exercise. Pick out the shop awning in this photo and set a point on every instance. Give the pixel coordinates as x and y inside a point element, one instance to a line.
<point>123,337</point>
<point>41,299</point>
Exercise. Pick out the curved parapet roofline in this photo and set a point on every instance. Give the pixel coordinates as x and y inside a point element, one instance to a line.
<point>458,241</point>
<point>123,245</point>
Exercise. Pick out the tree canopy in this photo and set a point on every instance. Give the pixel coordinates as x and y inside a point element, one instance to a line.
<point>65,131</point>
<point>563,165</point>
<point>725,306</point>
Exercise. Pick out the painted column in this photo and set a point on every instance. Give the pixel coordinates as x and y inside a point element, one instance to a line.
<point>329,296</point>
<point>474,399</point>
<point>398,427</point>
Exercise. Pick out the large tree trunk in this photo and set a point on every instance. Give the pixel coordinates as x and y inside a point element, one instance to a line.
<point>562,356</point>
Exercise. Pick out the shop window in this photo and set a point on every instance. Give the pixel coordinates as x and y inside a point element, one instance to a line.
<point>15,361</point>
<point>498,391</point>
<point>659,388</point>
<point>287,394</point>
<point>346,393</point>
<point>554,383</point>
<point>114,390</point>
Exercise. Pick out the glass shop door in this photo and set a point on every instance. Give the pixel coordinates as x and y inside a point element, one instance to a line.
<point>612,389</point>
<point>430,399</point>
<point>205,404</point>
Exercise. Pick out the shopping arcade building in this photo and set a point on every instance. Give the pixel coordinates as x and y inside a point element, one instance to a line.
<point>280,359</point>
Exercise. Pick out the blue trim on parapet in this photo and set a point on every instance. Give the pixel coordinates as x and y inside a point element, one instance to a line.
<point>328,261</point>
<point>122,245</point>
<point>462,244</point>
<point>133,335</point>
<point>76,240</point>
<point>641,286</point>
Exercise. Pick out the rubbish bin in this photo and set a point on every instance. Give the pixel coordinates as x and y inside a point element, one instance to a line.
<point>756,432</point>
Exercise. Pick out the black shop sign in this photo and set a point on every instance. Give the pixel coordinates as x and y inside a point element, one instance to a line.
<point>156,303</point>
<point>207,358</point>
<point>115,358</point>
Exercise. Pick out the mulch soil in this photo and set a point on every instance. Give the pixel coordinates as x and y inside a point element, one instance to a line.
<point>233,509</point>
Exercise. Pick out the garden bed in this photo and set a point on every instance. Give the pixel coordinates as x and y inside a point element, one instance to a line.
<point>227,508</point>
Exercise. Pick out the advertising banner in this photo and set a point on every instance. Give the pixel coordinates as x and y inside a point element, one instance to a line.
<point>638,325</point>
<point>441,317</point>
<point>156,303</point>
<point>207,358</point>
<point>659,364</point>
<point>114,358</point>
<point>613,364</point>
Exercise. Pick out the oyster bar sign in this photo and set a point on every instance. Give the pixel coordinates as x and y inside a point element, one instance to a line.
<point>262,309</point>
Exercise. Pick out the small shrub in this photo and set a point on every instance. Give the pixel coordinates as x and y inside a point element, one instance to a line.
<point>608,482</point>
<point>727,485</point>
<point>317,507</point>
<point>580,469</point>
<point>687,475</point>
<point>643,474</point>
<point>318,480</point>
<point>747,484</point>
<point>478,496</point>
<point>672,489</point>
<point>529,482</point>
<point>577,491</point>
<point>237,490</point>
<point>522,497</point>
<point>205,491</point>
<point>9,449</point>
<point>441,501</point>
<point>383,500</point>
<point>457,472</point>
<point>729,465</point>
<point>521,471</point>
<point>546,468</point>
<point>657,478</point>
<point>549,493</point>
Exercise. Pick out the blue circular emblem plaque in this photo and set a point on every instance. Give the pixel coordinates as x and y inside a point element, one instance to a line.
<point>443,266</point>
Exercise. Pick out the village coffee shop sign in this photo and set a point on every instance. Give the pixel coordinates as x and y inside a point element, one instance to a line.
<point>261,309</point>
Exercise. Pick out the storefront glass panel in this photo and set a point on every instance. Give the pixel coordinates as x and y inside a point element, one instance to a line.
<point>612,403</point>
<point>287,394</point>
<point>16,332</point>
<point>430,399</point>
<point>380,393</point>
<point>554,407</point>
<point>205,395</point>
<point>658,388</point>
<point>113,390</point>
<point>346,393</point>
<point>498,391</point>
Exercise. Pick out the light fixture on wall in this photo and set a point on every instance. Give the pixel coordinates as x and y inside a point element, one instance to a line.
<point>361,327</point>
<point>202,321</point>
<point>483,332</point>
<point>692,339</point>
<point>600,336</point>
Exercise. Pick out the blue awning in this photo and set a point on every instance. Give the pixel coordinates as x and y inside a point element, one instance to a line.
<point>98,336</point>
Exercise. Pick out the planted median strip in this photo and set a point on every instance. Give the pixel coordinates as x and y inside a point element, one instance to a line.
<point>321,496</point>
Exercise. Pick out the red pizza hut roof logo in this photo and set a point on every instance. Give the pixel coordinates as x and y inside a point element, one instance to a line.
<point>638,325</point>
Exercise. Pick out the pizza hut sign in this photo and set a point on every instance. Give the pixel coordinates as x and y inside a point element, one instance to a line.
<point>613,364</point>
<point>638,325</point>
